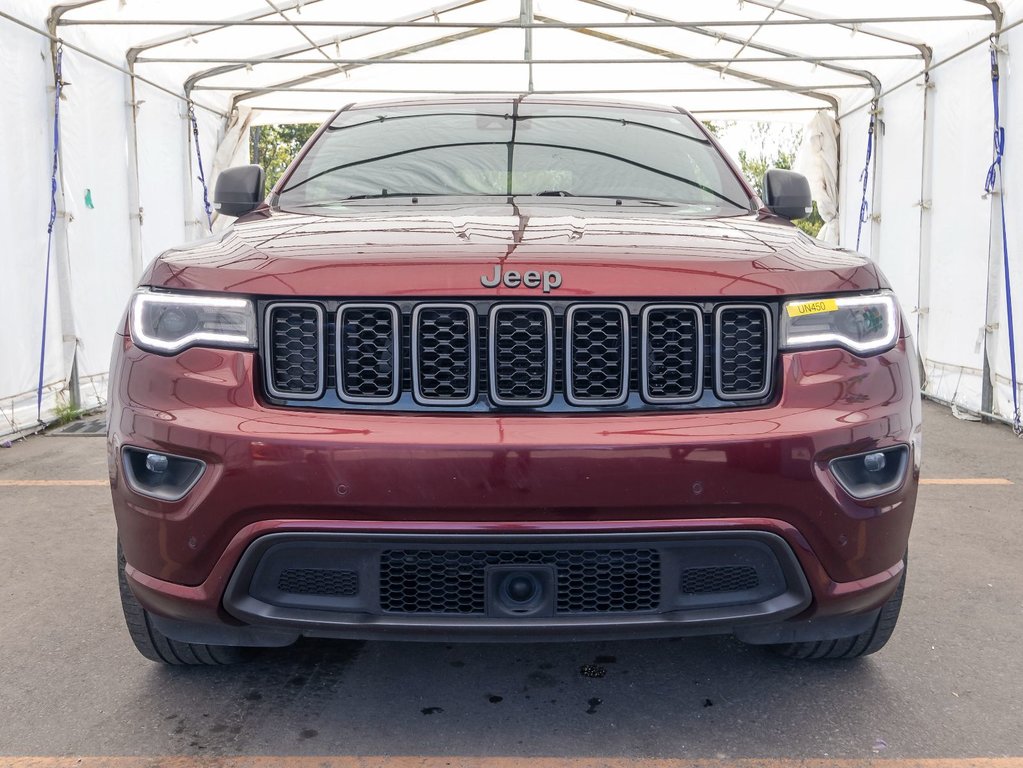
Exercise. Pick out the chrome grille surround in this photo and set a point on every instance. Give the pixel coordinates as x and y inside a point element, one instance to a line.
<point>272,369</point>
<point>571,349</point>
<point>394,388</point>
<point>419,358</point>
<point>724,388</point>
<point>521,353</point>
<point>646,363</point>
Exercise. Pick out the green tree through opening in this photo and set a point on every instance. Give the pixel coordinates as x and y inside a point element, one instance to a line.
<point>784,140</point>
<point>275,146</point>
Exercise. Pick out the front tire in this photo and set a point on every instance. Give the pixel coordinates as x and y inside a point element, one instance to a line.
<point>155,645</point>
<point>863,644</point>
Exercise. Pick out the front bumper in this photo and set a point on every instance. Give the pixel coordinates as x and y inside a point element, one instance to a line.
<point>271,471</point>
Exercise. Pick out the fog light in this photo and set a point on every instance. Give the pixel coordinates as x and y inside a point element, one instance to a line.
<point>162,476</point>
<point>157,463</point>
<point>874,462</point>
<point>865,475</point>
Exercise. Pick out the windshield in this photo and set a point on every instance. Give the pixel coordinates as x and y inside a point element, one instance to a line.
<point>521,149</point>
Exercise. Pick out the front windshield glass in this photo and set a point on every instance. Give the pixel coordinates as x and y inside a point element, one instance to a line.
<point>520,149</point>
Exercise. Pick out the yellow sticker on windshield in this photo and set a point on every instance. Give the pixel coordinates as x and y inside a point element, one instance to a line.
<point>800,308</point>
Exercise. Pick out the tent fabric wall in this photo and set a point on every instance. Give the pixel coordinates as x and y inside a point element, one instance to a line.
<point>930,230</point>
<point>94,265</point>
<point>24,211</point>
<point>943,254</point>
<point>1012,117</point>
<point>960,224</point>
<point>955,288</point>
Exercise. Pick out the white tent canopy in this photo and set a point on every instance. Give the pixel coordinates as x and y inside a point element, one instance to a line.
<point>127,181</point>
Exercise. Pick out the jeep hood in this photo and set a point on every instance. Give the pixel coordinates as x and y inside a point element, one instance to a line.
<point>401,249</point>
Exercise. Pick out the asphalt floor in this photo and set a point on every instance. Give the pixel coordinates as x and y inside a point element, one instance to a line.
<point>948,687</point>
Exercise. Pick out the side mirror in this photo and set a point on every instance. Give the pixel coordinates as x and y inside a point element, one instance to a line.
<point>787,194</point>
<point>239,190</point>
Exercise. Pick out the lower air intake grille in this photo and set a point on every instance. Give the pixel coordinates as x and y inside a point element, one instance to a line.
<point>318,581</point>
<point>726,578</point>
<point>454,581</point>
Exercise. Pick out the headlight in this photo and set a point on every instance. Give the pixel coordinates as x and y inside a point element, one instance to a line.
<point>170,322</point>
<point>862,324</point>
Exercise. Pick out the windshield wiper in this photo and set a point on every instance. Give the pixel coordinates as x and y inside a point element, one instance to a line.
<point>619,198</point>
<point>385,193</point>
<point>378,196</point>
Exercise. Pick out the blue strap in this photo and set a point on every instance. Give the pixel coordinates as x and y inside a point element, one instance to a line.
<point>865,175</point>
<point>58,85</point>
<point>202,174</point>
<point>995,180</point>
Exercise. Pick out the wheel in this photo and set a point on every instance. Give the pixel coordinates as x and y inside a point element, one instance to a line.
<point>155,645</point>
<point>863,644</point>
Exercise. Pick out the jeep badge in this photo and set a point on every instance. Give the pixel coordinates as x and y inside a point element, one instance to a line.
<point>531,279</point>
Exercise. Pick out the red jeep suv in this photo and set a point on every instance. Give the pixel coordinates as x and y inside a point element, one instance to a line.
<point>512,369</point>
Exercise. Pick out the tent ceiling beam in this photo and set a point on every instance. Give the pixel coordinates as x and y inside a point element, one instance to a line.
<point>247,92</point>
<point>282,13</point>
<point>536,25</point>
<point>994,8</point>
<point>324,89</point>
<point>771,84</point>
<point>55,17</point>
<point>133,53</point>
<point>701,29</point>
<point>526,17</point>
<point>276,59</point>
<point>197,77</point>
<point>926,52</point>
<point>940,62</point>
<point>753,34</point>
<point>755,110</point>
<point>99,59</point>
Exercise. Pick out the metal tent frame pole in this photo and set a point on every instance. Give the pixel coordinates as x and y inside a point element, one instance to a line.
<point>676,58</point>
<point>796,22</point>
<point>195,78</point>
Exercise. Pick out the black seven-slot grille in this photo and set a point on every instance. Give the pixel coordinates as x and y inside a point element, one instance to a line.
<point>487,355</point>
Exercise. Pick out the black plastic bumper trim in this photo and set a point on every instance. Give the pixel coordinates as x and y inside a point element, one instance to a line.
<point>359,623</point>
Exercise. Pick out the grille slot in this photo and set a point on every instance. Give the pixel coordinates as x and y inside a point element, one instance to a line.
<point>521,354</point>
<point>318,581</point>
<point>294,350</point>
<point>724,578</point>
<point>454,581</point>
<point>672,356</point>
<point>368,353</point>
<point>597,354</point>
<point>744,356</point>
<point>444,367</point>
